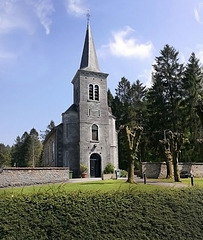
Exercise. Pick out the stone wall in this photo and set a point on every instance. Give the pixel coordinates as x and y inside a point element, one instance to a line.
<point>158,170</point>
<point>30,176</point>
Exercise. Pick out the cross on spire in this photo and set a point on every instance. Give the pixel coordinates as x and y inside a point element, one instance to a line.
<point>89,58</point>
<point>88,16</point>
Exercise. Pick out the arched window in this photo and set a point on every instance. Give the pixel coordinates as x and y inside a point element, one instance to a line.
<point>96,92</point>
<point>95,135</point>
<point>91,92</point>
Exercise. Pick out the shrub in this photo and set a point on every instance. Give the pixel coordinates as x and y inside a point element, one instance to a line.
<point>83,168</point>
<point>171,214</point>
<point>123,173</point>
<point>109,168</point>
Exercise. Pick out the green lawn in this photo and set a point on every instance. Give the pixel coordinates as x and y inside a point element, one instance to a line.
<point>103,186</point>
<point>197,181</point>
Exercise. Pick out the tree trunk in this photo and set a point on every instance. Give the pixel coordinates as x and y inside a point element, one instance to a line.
<point>173,145</point>
<point>134,137</point>
<point>175,167</point>
<point>177,142</point>
<point>131,175</point>
<point>169,161</point>
<point>168,156</point>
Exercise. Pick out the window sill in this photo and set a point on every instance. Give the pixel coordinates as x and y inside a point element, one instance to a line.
<point>97,101</point>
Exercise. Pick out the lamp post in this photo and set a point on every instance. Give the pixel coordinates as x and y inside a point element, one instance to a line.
<point>33,152</point>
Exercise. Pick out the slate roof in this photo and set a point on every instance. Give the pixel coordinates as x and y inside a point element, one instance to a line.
<point>72,108</point>
<point>89,58</point>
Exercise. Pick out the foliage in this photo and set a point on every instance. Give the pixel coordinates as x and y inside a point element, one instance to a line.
<point>172,103</point>
<point>45,133</point>
<point>27,150</point>
<point>172,214</point>
<point>5,158</point>
<point>193,89</point>
<point>129,107</point>
<point>123,173</point>
<point>109,168</point>
<point>83,168</point>
<point>164,97</point>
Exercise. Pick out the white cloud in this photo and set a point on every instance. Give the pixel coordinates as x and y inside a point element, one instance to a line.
<point>198,11</point>
<point>13,17</point>
<point>43,10</point>
<point>76,7</point>
<point>21,16</point>
<point>127,46</point>
<point>24,15</point>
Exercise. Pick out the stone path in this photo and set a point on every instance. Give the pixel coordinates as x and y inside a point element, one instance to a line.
<point>138,180</point>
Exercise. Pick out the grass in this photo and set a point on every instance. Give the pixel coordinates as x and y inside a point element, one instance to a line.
<point>93,186</point>
<point>99,185</point>
<point>197,181</point>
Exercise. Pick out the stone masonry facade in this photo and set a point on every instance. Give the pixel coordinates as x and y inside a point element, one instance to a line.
<point>10,177</point>
<point>159,170</point>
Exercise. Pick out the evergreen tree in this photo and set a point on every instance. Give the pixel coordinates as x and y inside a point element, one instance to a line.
<point>5,159</point>
<point>156,121</point>
<point>123,111</point>
<point>128,107</point>
<point>192,90</point>
<point>44,134</point>
<point>129,103</point>
<point>164,97</point>
<point>27,150</point>
<point>169,73</point>
<point>16,153</point>
<point>110,98</point>
<point>137,100</point>
<point>36,146</point>
<point>122,108</point>
<point>123,91</point>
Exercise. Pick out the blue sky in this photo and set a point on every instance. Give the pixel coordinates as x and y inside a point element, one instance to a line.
<point>41,43</point>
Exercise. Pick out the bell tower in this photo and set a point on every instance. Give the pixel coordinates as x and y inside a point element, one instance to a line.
<point>87,134</point>
<point>90,94</point>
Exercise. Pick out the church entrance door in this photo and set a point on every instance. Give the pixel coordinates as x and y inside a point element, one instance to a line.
<point>95,165</point>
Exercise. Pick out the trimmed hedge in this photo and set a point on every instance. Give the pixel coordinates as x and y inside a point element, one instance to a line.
<point>171,214</point>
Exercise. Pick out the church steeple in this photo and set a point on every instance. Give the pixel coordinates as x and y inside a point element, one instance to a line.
<point>89,58</point>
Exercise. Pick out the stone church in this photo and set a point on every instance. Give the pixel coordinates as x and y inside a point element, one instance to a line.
<point>87,134</point>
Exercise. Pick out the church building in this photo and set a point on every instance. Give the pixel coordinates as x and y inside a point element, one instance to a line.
<point>87,134</point>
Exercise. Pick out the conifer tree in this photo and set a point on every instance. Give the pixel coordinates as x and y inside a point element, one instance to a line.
<point>44,134</point>
<point>192,90</point>
<point>164,97</point>
<point>128,107</point>
<point>168,72</point>
<point>26,152</point>
<point>36,147</point>
<point>5,159</point>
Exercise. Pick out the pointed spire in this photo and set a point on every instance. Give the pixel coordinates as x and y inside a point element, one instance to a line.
<point>89,58</point>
